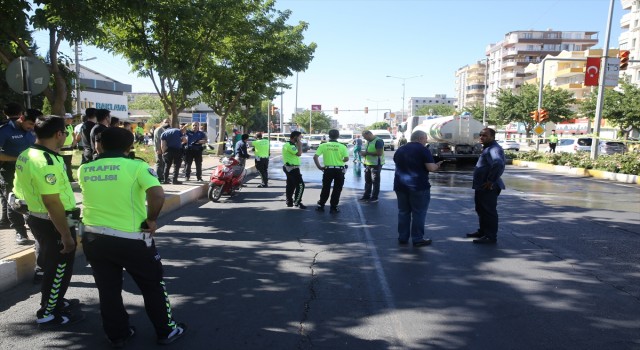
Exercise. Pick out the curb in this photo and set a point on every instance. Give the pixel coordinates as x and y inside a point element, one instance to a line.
<point>598,174</point>
<point>18,268</point>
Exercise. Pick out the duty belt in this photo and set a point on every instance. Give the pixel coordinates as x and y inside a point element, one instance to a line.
<point>44,216</point>
<point>71,221</point>
<point>334,167</point>
<point>107,231</point>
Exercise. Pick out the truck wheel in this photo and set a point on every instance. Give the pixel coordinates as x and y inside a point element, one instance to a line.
<point>215,193</point>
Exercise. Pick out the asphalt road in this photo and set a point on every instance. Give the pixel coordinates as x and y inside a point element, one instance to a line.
<point>249,273</point>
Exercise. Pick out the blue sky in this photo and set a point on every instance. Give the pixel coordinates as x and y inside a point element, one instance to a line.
<point>360,42</point>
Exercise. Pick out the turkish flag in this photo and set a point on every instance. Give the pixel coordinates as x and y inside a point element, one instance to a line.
<point>592,71</point>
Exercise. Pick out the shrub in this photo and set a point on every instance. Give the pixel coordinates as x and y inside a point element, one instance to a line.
<point>628,163</point>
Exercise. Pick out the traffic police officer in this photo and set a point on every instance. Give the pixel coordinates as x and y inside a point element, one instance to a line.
<point>69,145</point>
<point>334,155</point>
<point>291,152</point>
<point>262,158</point>
<point>115,237</point>
<point>373,160</point>
<point>41,181</point>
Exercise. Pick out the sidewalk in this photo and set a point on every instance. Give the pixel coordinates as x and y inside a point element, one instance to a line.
<point>17,262</point>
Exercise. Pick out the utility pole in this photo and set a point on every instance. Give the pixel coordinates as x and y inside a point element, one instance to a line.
<point>595,143</point>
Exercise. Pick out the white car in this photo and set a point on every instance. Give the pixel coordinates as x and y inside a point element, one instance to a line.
<point>509,145</point>
<point>582,144</point>
<point>316,139</point>
<point>386,137</point>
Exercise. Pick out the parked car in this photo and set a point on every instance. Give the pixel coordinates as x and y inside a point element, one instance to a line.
<point>509,145</point>
<point>612,147</point>
<point>386,137</point>
<point>316,139</point>
<point>582,144</point>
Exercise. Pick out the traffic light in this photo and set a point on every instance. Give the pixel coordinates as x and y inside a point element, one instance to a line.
<point>543,116</point>
<point>335,110</point>
<point>366,110</point>
<point>624,59</point>
<point>535,116</point>
<point>273,110</point>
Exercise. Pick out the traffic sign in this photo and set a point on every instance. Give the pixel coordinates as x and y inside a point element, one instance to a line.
<point>316,107</point>
<point>538,130</point>
<point>38,75</point>
<point>612,72</point>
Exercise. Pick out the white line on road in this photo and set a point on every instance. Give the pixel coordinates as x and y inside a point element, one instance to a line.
<point>389,300</point>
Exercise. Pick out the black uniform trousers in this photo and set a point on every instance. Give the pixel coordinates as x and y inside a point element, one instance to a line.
<point>67,163</point>
<point>172,156</point>
<point>295,184</point>
<point>87,155</point>
<point>190,156</point>
<point>372,181</point>
<point>7,173</point>
<point>262,166</point>
<point>160,167</point>
<point>486,203</point>
<point>108,256</point>
<point>335,176</point>
<point>57,268</point>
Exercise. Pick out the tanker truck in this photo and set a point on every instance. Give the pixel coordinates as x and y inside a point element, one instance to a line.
<point>453,137</point>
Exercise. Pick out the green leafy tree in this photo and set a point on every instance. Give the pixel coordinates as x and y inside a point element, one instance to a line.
<point>437,109</point>
<point>379,126</point>
<point>152,105</point>
<point>620,108</point>
<point>477,112</point>
<point>516,107</point>
<point>249,64</point>
<point>62,20</point>
<point>167,41</point>
<point>320,122</point>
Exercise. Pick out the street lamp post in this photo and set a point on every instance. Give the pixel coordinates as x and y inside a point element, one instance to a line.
<point>376,101</point>
<point>77,61</point>
<point>404,79</point>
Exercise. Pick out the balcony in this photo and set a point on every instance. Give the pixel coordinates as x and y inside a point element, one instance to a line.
<point>571,71</point>
<point>571,86</point>
<point>625,21</point>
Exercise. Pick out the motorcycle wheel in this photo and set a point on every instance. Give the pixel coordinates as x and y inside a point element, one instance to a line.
<point>215,193</point>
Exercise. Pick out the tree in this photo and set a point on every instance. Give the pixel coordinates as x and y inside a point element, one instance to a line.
<point>512,107</point>
<point>437,109</point>
<point>477,112</point>
<point>62,20</point>
<point>320,122</point>
<point>620,108</point>
<point>248,65</point>
<point>379,126</point>
<point>167,40</point>
<point>152,105</point>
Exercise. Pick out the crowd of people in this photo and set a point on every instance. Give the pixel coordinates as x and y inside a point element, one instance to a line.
<point>36,182</point>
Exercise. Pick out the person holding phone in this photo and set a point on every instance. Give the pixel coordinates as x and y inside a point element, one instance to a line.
<point>291,152</point>
<point>413,190</point>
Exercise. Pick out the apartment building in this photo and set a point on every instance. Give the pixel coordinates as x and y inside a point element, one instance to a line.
<point>508,58</point>
<point>416,103</point>
<point>470,84</point>
<point>629,38</point>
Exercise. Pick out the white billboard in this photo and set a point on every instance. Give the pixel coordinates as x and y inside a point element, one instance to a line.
<point>117,104</point>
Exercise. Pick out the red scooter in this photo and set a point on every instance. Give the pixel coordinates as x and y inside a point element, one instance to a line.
<point>226,178</point>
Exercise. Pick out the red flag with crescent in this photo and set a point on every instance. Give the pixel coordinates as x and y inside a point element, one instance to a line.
<point>592,71</point>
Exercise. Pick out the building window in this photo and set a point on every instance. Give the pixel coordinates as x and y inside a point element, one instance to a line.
<point>633,43</point>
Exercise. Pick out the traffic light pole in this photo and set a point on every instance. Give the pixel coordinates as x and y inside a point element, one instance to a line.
<point>605,55</point>
<point>541,85</point>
